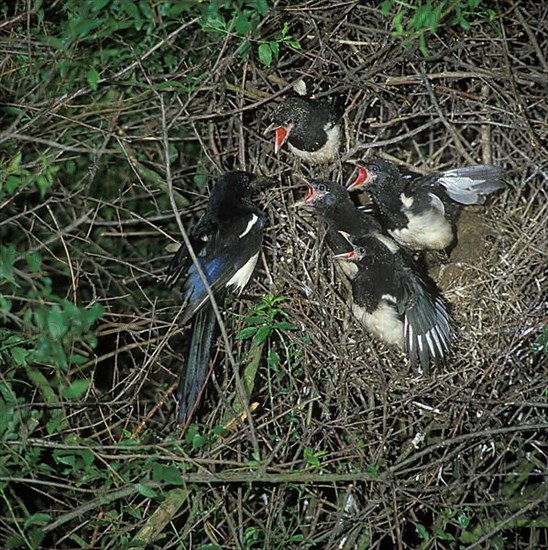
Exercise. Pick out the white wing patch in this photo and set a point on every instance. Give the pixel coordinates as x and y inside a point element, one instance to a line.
<point>240,279</point>
<point>406,201</point>
<point>470,185</point>
<point>428,230</point>
<point>249,226</point>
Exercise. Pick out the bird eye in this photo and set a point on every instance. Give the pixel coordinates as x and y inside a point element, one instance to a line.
<point>322,188</point>
<point>361,251</point>
<point>374,168</point>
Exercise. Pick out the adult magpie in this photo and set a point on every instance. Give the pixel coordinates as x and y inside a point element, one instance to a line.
<point>392,298</point>
<point>226,241</point>
<point>421,212</point>
<point>310,126</point>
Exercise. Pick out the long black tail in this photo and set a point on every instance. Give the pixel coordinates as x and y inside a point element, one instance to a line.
<point>204,334</point>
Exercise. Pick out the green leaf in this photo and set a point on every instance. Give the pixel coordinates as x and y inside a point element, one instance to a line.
<point>77,389</point>
<point>442,535</point>
<point>284,325</point>
<point>246,333</point>
<point>57,323</point>
<point>19,356</point>
<point>34,261</point>
<point>386,6</point>
<point>37,518</point>
<point>275,47</point>
<point>262,334</point>
<point>92,314</point>
<point>5,305</point>
<point>77,359</point>
<point>15,163</point>
<point>397,22</point>
<point>198,441</point>
<point>146,491</point>
<point>273,360</point>
<point>98,5</point>
<point>93,78</point>
<point>423,532</point>
<point>265,54</point>
<point>7,260</point>
<point>166,474</point>
<point>242,24</point>
<point>463,519</point>
<point>261,6</point>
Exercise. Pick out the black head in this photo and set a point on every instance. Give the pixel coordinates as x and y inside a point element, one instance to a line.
<point>356,253</point>
<point>294,116</point>
<point>237,184</point>
<point>324,196</point>
<point>294,112</point>
<point>374,172</point>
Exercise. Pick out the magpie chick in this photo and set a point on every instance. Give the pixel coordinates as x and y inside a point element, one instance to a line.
<point>421,212</point>
<point>393,299</point>
<point>396,302</point>
<point>331,202</point>
<point>227,242</point>
<point>310,126</point>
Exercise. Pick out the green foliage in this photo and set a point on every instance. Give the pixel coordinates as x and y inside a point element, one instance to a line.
<point>53,326</point>
<point>312,457</point>
<point>242,18</point>
<point>541,343</point>
<point>413,21</point>
<point>262,321</point>
<point>14,177</point>
<point>271,50</point>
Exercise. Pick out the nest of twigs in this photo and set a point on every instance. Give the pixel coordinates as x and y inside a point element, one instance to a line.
<point>342,446</point>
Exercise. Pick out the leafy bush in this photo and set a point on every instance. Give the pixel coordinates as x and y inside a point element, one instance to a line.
<point>414,20</point>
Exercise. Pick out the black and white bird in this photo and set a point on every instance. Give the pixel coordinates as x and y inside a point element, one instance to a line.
<point>392,298</point>
<point>227,242</point>
<point>420,212</point>
<point>310,126</point>
<point>332,203</point>
<point>397,303</point>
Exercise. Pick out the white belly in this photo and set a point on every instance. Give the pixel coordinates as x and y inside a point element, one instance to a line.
<point>429,230</point>
<point>382,323</point>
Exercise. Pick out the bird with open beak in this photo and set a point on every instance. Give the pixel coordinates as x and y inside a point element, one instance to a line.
<point>392,298</point>
<point>311,128</point>
<point>420,212</point>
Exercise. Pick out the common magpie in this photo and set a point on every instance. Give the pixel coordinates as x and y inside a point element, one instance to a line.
<point>310,126</point>
<point>393,299</point>
<point>396,302</point>
<point>333,204</point>
<point>227,241</point>
<point>420,212</point>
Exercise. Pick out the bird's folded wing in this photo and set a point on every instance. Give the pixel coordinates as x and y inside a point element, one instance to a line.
<point>426,324</point>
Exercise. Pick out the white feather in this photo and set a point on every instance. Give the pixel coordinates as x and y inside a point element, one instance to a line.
<point>382,323</point>
<point>250,224</point>
<point>240,279</point>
